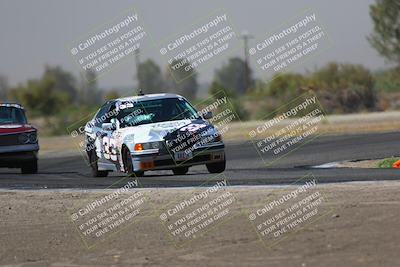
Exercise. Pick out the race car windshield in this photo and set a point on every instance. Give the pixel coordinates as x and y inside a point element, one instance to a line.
<point>12,115</point>
<point>159,110</point>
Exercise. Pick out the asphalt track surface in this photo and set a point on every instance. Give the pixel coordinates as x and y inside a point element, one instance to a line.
<point>244,166</point>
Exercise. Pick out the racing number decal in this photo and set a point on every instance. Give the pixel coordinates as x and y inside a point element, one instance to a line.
<point>192,127</point>
<point>110,148</point>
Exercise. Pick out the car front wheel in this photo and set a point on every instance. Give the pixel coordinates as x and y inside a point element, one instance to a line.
<point>216,167</point>
<point>128,166</point>
<point>180,170</point>
<point>30,167</point>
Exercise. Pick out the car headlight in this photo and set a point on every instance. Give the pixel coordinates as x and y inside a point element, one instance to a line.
<point>27,138</point>
<point>32,137</point>
<point>218,138</point>
<point>213,138</point>
<point>147,146</point>
<point>23,138</point>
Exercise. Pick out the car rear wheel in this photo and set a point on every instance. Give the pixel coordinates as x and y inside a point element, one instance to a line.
<point>30,167</point>
<point>128,166</point>
<point>216,167</point>
<point>94,166</point>
<point>180,170</point>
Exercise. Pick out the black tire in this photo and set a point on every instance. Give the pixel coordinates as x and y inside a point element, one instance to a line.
<point>128,166</point>
<point>94,167</point>
<point>30,167</point>
<point>216,167</point>
<point>180,170</point>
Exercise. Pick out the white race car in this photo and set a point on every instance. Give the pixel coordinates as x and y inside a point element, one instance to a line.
<point>152,132</point>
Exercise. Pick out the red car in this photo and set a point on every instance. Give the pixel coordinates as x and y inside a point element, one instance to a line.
<point>18,140</point>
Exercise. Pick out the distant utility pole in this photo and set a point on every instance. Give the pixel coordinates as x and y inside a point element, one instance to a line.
<point>246,36</point>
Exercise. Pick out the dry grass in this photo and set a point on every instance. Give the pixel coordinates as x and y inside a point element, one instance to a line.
<point>333,124</point>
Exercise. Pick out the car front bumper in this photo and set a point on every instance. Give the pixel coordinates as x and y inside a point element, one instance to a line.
<point>166,161</point>
<point>15,156</point>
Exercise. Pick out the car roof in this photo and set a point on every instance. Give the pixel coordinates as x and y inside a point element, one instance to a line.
<point>11,104</point>
<point>148,97</point>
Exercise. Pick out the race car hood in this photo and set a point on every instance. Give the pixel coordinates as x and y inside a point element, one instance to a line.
<point>15,128</point>
<point>157,131</point>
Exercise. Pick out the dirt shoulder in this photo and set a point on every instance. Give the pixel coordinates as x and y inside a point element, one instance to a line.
<point>361,229</point>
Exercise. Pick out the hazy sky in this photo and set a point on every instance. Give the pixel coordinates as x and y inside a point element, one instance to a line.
<point>37,32</point>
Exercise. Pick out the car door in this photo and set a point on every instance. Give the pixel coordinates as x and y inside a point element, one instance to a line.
<point>98,134</point>
<point>106,137</point>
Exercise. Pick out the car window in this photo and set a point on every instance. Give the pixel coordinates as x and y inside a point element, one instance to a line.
<point>12,115</point>
<point>158,110</point>
<point>101,115</point>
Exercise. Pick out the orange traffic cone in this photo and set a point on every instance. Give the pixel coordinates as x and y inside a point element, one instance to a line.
<point>396,165</point>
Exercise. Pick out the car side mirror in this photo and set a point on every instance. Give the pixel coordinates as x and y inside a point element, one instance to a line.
<point>108,126</point>
<point>208,115</point>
